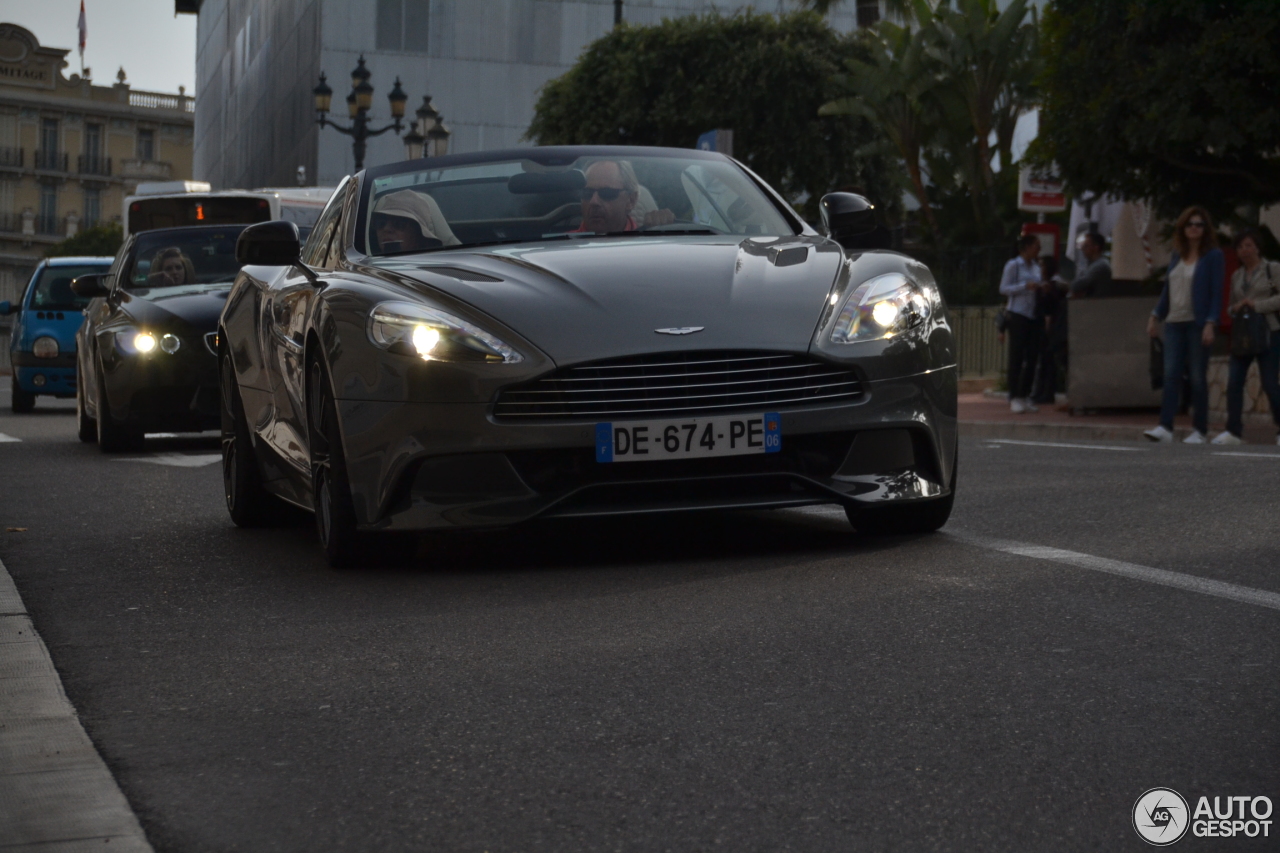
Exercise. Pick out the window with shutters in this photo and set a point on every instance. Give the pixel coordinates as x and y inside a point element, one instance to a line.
<point>402,25</point>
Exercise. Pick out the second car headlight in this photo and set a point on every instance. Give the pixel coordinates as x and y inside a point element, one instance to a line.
<point>881,307</point>
<point>432,335</point>
<point>45,347</point>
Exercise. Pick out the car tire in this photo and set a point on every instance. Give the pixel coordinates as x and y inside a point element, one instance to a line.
<point>248,502</point>
<point>22,402</point>
<point>113,437</point>
<point>86,427</point>
<point>916,517</point>
<point>330,488</point>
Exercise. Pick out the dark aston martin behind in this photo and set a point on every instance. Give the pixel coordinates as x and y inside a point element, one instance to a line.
<point>481,340</point>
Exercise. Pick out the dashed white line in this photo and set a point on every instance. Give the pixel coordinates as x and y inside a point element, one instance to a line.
<point>1060,444</point>
<point>4,438</point>
<point>176,460</point>
<point>1250,455</point>
<point>1164,577</point>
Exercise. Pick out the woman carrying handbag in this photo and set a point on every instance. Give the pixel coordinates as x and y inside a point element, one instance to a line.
<point>1189,307</point>
<point>1255,287</point>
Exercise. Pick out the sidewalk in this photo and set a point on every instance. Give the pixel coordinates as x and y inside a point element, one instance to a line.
<point>983,416</point>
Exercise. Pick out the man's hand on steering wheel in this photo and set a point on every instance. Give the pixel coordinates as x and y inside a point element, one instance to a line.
<point>658,217</point>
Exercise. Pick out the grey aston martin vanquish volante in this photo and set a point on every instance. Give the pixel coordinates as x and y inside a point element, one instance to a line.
<point>484,339</point>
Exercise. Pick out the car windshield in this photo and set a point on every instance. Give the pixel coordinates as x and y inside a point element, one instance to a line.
<point>520,200</point>
<point>52,292</point>
<point>186,258</point>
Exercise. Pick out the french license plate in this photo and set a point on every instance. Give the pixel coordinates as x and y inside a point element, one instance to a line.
<point>688,438</point>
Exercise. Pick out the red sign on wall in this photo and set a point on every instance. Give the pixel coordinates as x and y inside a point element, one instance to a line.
<point>1041,191</point>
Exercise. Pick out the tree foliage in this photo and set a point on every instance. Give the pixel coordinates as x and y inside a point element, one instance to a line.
<point>761,75</point>
<point>894,91</point>
<point>941,89</point>
<point>98,241</point>
<point>1175,101</point>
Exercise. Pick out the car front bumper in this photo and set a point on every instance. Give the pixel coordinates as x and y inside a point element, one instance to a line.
<point>162,392</point>
<point>894,444</point>
<point>52,376</point>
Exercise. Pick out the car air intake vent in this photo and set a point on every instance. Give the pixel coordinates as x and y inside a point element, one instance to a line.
<point>676,384</point>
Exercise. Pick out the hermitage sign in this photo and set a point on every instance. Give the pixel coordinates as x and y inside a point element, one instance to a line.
<point>23,62</point>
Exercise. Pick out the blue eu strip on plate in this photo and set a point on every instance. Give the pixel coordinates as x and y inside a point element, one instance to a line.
<point>604,442</point>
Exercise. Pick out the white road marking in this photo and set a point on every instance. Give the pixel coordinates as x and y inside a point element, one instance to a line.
<point>1164,577</point>
<point>1059,444</point>
<point>177,460</point>
<point>821,509</point>
<point>4,438</point>
<point>1250,455</point>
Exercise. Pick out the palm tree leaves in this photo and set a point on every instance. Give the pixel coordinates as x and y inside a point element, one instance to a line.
<point>941,87</point>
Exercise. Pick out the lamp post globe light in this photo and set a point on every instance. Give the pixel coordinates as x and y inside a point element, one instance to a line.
<point>428,137</point>
<point>358,104</point>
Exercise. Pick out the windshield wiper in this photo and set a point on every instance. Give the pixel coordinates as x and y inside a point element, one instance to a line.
<point>505,242</point>
<point>658,231</point>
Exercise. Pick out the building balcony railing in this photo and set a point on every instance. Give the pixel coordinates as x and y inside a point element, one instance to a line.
<point>47,225</point>
<point>11,223</point>
<point>161,101</point>
<point>145,169</point>
<point>90,165</point>
<point>11,157</point>
<point>50,161</point>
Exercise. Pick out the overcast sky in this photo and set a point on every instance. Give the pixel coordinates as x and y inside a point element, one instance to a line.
<point>156,48</point>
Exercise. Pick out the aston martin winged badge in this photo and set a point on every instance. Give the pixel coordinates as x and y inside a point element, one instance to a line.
<point>680,330</point>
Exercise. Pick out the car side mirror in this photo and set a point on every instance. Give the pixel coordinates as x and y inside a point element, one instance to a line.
<point>7,308</point>
<point>269,244</point>
<point>850,220</point>
<point>91,286</point>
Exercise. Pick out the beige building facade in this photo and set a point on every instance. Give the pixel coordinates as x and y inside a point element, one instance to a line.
<point>70,150</point>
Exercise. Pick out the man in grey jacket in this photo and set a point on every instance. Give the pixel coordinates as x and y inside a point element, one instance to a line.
<point>1095,273</point>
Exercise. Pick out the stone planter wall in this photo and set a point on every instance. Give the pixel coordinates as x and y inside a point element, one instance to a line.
<point>1257,409</point>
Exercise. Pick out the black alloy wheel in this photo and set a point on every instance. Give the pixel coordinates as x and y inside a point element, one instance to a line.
<point>21,402</point>
<point>916,517</point>
<point>86,427</point>
<point>113,437</point>
<point>330,488</point>
<point>248,501</point>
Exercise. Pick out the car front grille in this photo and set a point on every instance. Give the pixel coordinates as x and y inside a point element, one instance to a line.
<point>678,384</point>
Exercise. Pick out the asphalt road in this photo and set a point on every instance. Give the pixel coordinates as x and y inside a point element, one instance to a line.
<point>752,681</point>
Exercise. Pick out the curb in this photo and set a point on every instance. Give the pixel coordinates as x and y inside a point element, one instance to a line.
<point>56,793</point>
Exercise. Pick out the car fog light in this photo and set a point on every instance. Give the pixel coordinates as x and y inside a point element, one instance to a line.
<point>144,342</point>
<point>38,380</point>
<point>170,344</point>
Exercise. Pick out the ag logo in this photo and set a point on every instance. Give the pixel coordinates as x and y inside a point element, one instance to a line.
<point>1160,816</point>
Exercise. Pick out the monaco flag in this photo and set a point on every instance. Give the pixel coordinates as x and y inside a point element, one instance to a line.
<point>84,31</point>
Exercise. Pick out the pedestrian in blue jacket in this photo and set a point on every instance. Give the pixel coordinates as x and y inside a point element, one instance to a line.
<point>1189,307</point>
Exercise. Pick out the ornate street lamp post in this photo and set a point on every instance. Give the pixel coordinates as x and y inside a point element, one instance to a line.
<point>428,137</point>
<point>358,104</point>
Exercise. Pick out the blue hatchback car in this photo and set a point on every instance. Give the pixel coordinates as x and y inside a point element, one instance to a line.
<point>42,346</point>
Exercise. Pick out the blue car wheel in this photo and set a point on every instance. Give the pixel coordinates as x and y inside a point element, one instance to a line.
<point>23,401</point>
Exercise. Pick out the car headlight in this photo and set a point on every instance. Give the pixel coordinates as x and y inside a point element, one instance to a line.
<point>134,342</point>
<point>45,347</point>
<point>408,329</point>
<point>881,307</point>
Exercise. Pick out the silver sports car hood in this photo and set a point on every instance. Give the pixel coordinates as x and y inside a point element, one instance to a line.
<point>592,298</point>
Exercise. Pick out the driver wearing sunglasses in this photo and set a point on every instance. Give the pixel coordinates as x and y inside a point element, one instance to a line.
<point>608,197</point>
